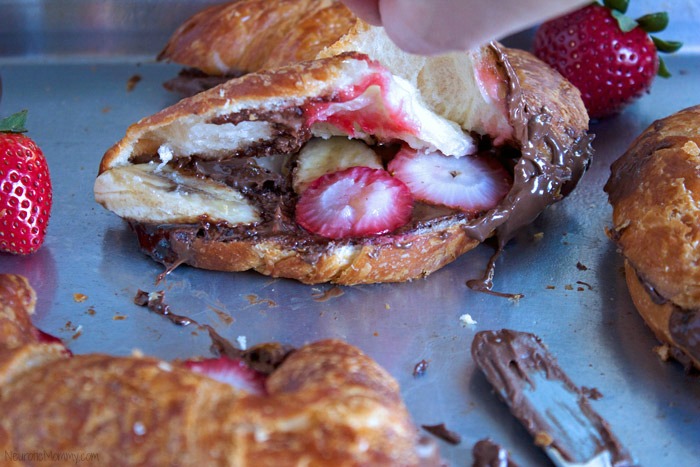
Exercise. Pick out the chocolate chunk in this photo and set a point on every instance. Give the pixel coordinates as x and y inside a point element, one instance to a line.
<point>487,453</point>
<point>443,433</point>
<point>420,368</point>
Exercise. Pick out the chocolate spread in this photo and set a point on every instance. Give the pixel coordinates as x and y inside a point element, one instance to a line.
<point>191,81</point>
<point>683,326</point>
<point>541,396</point>
<point>487,453</point>
<point>546,169</point>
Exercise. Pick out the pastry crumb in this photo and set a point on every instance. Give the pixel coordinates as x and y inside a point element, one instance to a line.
<point>663,352</point>
<point>79,297</point>
<point>132,82</point>
<point>467,320</point>
<point>691,148</point>
<point>515,298</point>
<point>543,439</point>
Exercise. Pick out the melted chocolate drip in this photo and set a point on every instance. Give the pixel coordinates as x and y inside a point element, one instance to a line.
<point>547,171</point>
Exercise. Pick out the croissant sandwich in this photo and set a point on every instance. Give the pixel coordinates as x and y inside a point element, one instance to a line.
<point>361,165</point>
<point>326,403</point>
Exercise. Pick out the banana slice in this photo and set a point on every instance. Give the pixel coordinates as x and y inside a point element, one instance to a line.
<point>321,156</point>
<point>151,193</point>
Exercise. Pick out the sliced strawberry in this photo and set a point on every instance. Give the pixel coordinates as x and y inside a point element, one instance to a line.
<point>469,183</point>
<point>233,372</point>
<point>354,202</point>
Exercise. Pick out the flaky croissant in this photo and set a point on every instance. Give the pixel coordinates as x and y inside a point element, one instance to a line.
<point>326,404</point>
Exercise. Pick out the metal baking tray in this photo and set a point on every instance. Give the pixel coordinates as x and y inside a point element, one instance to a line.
<point>86,70</point>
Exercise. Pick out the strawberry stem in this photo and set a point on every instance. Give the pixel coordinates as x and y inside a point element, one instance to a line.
<point>14,123</point>
<point>653,22</point>
<point>617,5</point>
<point>625,23</point>
<point>663,70</point>
<point>666,46</point>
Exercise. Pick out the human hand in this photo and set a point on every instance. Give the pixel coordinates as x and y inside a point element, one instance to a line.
<point>436,26</point>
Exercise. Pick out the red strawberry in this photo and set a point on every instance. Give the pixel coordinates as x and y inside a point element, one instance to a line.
<point>469,183</point>
<point>46,338</point>
<point>609,57</point>
<point>354,202</point>
<point>233,372</point>
<point>25,189</point>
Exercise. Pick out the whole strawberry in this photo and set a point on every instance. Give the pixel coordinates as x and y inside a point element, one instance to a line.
<point>608,56</point>
<point>25,189</point>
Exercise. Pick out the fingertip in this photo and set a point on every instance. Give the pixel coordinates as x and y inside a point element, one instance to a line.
<point>367,10</point>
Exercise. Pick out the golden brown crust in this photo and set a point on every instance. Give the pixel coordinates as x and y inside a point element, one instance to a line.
<point>399,259</point>
<point>296,82</point>
<point>654,189</point>
<point>250,35</point>
<point>543,89</point>
<point>327,403</point>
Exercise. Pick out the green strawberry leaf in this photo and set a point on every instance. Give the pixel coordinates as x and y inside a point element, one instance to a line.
<point>663,70</point>
<point>617,5</point>
<point>666,46</point>
<point>14,123</point>
<point>653,22</point>
<point>625,22</point>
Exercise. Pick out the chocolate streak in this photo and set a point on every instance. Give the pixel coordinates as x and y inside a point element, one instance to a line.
<point>264,358</point>
<point>542,397</point>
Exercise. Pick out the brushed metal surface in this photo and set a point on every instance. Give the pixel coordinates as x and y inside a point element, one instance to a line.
<point>575,297</point>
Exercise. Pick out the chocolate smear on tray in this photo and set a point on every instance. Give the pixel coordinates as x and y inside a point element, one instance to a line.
<point>264,358</point>
<point>555,411</point>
